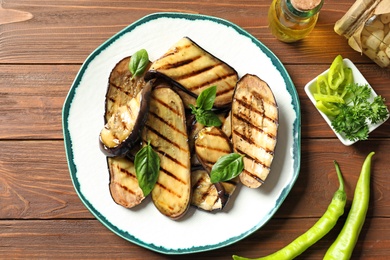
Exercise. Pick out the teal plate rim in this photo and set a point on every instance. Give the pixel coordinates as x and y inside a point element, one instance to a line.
<point>296,149</point>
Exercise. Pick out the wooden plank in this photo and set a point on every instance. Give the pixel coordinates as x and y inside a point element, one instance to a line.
<point>31,103</point>
<point>318,180</point>
<point>88,239</point>
<point>68,31</point>
<point>35,182</point>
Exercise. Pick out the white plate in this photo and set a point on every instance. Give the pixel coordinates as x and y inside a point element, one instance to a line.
<point>358,78</point>
<point>249,209</point>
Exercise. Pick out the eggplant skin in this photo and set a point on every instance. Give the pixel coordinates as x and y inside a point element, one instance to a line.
<point>122,87</point>
<point>191,69</point>
<point>122,131</point>
<point>210,144</point>
<point>166,131</point>
<point>254,128</point>
<point>205,194</point>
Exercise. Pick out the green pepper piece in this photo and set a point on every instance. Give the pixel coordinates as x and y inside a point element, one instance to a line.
<point>348,80</point>
<point>328,98</point>
<point>317,231</point>
<point>327,108</point>
<point>344,244</point>
<point>322,85</point>
<point>336,73</point>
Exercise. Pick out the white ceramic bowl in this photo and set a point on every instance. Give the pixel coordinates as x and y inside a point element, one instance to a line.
<point>358,77</point>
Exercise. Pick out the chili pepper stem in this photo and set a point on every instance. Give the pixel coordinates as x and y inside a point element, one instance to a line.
<point>344,244</point>
<point>317,231</point>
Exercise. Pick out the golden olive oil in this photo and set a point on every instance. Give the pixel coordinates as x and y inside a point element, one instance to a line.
<point>289,24</point>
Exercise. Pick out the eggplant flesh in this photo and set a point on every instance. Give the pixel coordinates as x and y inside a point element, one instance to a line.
<point>124,188</point>
<point>166,131</point>
<point>205,194</point>
<point>254,128</point>
<point>122,87</point>
<point>122,130</point>
<point>210,144</point>
<point>192,69</point>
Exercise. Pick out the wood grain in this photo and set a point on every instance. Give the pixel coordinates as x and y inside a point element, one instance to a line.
<point>42,217</point>
<point>33,109</point>
<point>88,239</point>
<point>68,31</point>
<point>40,187</point>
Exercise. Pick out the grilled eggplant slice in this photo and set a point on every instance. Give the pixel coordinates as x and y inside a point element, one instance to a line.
<point>122,130</point>
<point>254,128</point>
<point>166,131</point>
<point>227,125</point>
<point>210,196</point>
<point>205,194</point>
<point>211,143</point>
<point>124,187</point>
<point>122,87</point>
<point>192,69</point>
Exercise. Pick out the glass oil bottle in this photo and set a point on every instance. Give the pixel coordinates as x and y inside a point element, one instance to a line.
<point>293,20</point>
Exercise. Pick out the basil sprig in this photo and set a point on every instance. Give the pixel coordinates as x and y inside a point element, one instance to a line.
<point>227,167</point>
<point>147,167</point>
<point>138,63</point>
<point>204,104</point>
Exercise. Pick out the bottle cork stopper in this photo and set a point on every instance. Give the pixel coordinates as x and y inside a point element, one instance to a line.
<point>305,5</point>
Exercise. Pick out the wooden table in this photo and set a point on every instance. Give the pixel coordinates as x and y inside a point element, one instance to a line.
<point>42,46</point>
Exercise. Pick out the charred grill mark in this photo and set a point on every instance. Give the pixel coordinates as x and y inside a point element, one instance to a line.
<point>195,73</point>
<point>253,176</point>
<point>258,96</point>
<point>128,173</point>
<point>170,174</point>
<point>164,104</point>
<point>199,182</point>
<point>205,161</point>
<point>164,153</point>
<point>163,187</point>
<point>157,117</point>
<point>249,124</point>
<point>124,187</point>
<point>213,149</point>
<point>253,159</point>
<point>214,82</point>
<point>158,133</point>
<point>245,104</point>
<point>178,64</point>
<point>208,193</point>
<point>121,89</point>
<point>252,142</point>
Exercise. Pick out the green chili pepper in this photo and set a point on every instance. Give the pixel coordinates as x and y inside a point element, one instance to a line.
<point>336,73</point>
<point>327,108</point>
<point>344,244</point>
<point>348,80</point>
<point>348,76</point>
<point>317,231</point>
<point>328,98</point>
<point>322,85</point>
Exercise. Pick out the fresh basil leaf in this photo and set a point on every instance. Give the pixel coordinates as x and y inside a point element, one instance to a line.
<point>138,62</point>
<point>204,104</point>
<point>227,167</point>
<point>206,98</point>
<point>147,167</point>
<point>208,118</point>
